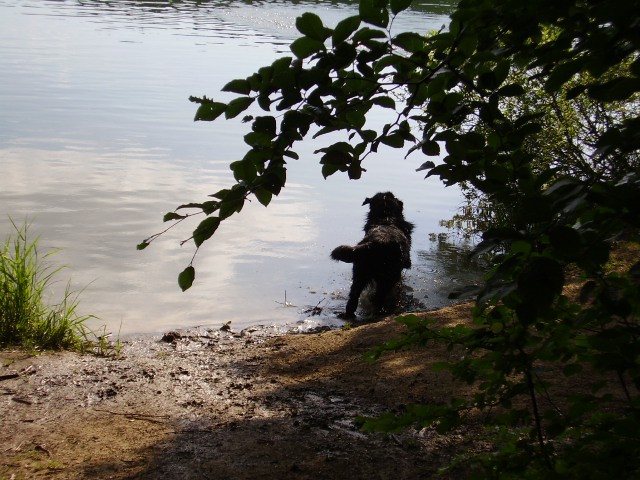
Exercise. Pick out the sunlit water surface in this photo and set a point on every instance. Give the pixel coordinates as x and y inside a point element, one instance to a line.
<point>97,142</point>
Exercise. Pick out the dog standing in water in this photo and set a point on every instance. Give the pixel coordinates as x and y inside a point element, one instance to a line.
<point>382,254</point>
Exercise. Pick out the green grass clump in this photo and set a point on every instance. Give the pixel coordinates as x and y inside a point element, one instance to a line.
<point>26,318</point>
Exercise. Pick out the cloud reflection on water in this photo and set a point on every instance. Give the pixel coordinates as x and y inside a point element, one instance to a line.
<point>97,206</point>
<point>97,142</point>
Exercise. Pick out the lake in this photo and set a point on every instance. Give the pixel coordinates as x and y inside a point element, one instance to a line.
<point>97,143</point>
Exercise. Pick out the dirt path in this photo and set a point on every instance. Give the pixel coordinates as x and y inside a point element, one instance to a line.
<point>223,406</point>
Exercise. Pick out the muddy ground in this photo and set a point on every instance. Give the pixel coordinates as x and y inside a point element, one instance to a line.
<point>225,405</point>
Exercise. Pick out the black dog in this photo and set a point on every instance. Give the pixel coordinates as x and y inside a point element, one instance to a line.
<point>382,254</point>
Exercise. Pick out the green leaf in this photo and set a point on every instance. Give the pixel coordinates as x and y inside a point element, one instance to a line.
<point>398,6</point>
<point>265,125</point>
<point>281,65</point>
<point>426,166</point>
<point>521,246</point>
<point>355,170</point>
<point>344,147</point>
<point>209,111</point>
<point>263,195</point>
<point>431,148</point>
<point>488,80</point>
<point>365,34</point>
<point>237,106</point>
<point>468,43</point>
<point>264,102</point>
<point>238,86</point>
<point>304,47</point>
<point>501,71</point>
<point>205,230</point>
<point>329,169</point>
<point>189,205</point>
<point>575,91</point>
<point>355,118</point>
<point>511,90</point>
<point>244,170</point>
<point>561,74</point>
<point>618,89</point>
<point>289,99</point>
<point>210,206</point>
<point>394,140</point>
<point>172,216</point>
<point>257,139</point>
<point>374,12</point>
<point>229,206</point>
<point>344,29</point>
<point>386,61</point>
<point>538,283</point>
<point>385,102</point>
<point>337,157</point>
<point>566,241</point>
<point>310,25</point>
<point>284,80</point>
<point>186,277</point>
<point>409,41</point>
<point>368,136</point>
<point>221,194</point>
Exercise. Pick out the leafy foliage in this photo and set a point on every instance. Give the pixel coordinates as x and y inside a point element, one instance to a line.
<point>570,127</point>
<point>450,96</point>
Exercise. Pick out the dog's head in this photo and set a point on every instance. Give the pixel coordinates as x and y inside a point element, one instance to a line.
<point>384,204</point>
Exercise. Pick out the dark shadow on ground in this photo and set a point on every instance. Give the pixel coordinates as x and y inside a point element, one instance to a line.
<point>318,385</point>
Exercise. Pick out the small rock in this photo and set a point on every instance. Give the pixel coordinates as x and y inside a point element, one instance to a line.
<point>171,337</point>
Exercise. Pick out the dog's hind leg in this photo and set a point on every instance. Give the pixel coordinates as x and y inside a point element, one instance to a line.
<point>360,280</point>
<point>384,286</point>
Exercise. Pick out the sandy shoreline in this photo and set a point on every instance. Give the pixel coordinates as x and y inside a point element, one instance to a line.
<point>213,404</point>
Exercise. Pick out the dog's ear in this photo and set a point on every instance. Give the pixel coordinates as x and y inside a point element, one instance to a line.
<point>367,201</point>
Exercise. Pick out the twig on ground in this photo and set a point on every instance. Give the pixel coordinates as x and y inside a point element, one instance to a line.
<point>317,310</point>
<point>285,303</point>
<point>136,416</point>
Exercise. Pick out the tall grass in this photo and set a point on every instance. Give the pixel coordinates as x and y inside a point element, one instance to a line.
<point>26,280</point>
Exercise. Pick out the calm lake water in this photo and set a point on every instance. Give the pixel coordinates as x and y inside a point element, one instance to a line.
<point>97,142</point>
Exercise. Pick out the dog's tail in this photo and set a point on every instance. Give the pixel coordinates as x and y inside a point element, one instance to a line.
<point>344,253</point>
